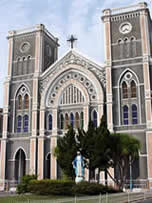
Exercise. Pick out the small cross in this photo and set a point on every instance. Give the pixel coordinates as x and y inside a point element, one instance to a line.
<point>72,40</point>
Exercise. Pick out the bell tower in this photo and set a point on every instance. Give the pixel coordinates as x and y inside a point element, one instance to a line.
<point>128,74</point>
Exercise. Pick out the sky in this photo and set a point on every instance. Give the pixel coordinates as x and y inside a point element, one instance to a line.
<point>62,18</point>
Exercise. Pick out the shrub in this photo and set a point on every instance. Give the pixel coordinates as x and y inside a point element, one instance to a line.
<point>67,187</point>
<point>23,187</point>
<point>86,188</point>
<point>51,187</point>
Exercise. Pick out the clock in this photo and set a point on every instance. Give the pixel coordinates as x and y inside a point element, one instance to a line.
<point>25,46</point>
<point>125,28</point>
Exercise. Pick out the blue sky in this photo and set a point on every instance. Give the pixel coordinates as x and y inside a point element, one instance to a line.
<point>61,18</point>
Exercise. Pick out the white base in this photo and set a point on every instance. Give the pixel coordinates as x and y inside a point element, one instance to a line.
<point>78,179</point>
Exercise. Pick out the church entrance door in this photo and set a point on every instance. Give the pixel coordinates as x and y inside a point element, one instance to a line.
<point>48,166</point>
<point>20,165</point>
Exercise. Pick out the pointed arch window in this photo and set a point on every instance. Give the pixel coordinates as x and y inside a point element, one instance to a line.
<point>125,115</point>
<point>72,119</point>
<point>50,122</point>
<point>134,114</point>
<point>26,123</point>
<point>124,90</point>
<point>126,47</point>
<point>95,118</point>
<point>81,120</point>
<point>77,120</point>
<point>19,124</point>
<point>20,102</point>
<point>62,121</point>
<point>66,121</point>
<point>120,44</point>
<point>133,46</point>
<point>26,101</point>
<point>133,89</point>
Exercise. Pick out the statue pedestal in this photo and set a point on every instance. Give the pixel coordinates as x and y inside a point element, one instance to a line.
<point>78,179</point>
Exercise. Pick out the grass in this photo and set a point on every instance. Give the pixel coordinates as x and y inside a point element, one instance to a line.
<point>17,198</point>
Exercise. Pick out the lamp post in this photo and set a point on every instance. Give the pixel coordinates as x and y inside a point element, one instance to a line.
<point>130,167</point>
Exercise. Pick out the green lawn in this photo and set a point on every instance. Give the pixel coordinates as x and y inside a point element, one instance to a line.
<point>12,199</point>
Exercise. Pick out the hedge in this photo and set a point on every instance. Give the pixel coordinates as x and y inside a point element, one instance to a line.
<point>65,187</point>
<point>51,187</point>
<point>23,187</point>
<point>86,188</point>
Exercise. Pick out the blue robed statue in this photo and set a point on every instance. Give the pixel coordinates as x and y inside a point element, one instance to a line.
<point>78,165</point>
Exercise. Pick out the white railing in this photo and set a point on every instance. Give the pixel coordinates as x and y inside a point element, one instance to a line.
<point>107,198</point>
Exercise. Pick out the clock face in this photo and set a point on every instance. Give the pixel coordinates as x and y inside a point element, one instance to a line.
<point>25,46</point>
<point>125,28</point>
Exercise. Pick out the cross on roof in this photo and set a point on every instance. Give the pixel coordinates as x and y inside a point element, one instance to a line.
<point>72,39</point>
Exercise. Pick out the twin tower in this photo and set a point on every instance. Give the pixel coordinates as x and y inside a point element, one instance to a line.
<point>44,94</point>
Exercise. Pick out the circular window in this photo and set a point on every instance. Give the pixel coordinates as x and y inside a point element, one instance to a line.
<point>56,88</point>
<point>25,46</point>
<point>125,28</point>
<point>23,89</point>
<point>87,84</point>
<point>61,82</point>
<point>91,90</point>
<point>53,94</point>
<point>82,79</point>
<point>93,97</point>
<point>128,76</point>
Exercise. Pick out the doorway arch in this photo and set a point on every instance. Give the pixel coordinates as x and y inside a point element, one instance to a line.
<point>20,165</point>
<point>48,166</point>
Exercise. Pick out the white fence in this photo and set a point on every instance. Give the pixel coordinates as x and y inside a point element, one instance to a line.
<point>117,198</point>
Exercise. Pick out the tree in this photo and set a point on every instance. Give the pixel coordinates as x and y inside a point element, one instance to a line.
<point>86,144</point>
<point>101,157</point>
<point>123,147</point>
<point>66,151</point>
<point>93,145</point>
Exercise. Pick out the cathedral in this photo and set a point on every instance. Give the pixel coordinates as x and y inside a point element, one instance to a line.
<point>43,94</point>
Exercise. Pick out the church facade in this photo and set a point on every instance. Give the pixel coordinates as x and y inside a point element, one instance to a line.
<point>43,94</point>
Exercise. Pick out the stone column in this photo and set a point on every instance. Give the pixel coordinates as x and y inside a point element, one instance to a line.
<point>108,58</point>
<point>37,70</point>
<point>146,74</point>
<point>100,113</point>
<point>86,117</point>
<point>3,162</point>
<point>41,145</point>
<point>53,144</point>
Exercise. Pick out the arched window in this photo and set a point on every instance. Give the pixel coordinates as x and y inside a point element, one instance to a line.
<point>133,46</point>
<point>66,121</point>
<point>77,120</point>
<point>26,122</point>
<point>19,102</point>
<point>126,47</point>
<point>133,89</point>
<point>125,115</point>
<point>26,101</point>
<point>19,124</point>
<point>50,122</point>
<point>120,44</point>
<point>72,119</point>
<point>62,121</point>
<point>124,90</point>
<point>134,114</point>
<point>81,120</point>
<point>95,118</point>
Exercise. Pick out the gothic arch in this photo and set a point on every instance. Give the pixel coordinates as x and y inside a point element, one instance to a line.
<point>78,85</point>
<point>79,69</point>
<point>17,152</point>
<point>28,92</point>
<point>123,73</point>
<point>136,80</point>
